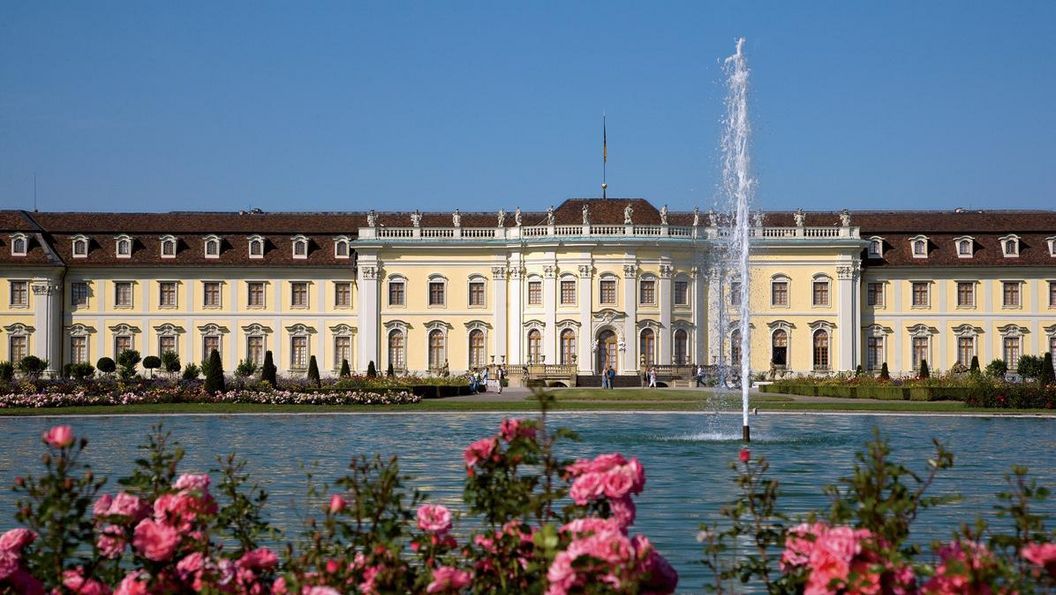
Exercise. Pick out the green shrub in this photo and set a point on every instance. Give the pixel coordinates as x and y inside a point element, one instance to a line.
<point>884,373</point>
<point>246,368</point>
<point>997,368</point>
<point>127,360</point>
<point>191,372</point>
<point>1048,375</point>
<point>924,371</point>
<point>974,368</point>
<point>170,360</point>
<point>214,376</point>
<point>372,372</point>
<point>313,372</point>
<point>32,366</point>
<point>345,371</point>
<point>106,365</point>
<point>7,371</point>
<point>389,372</point>
<point>858,371</point>
<point>268,372</point>
<point>1030,366</point>
<point>82,371</point>
<point>151,362</point>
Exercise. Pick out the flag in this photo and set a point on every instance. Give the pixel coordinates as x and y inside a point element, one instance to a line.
<point>604,142</point>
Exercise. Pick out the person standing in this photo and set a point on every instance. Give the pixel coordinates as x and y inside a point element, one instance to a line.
<point>500,374</point>
<point>605,378</point>
<point>612,377</point>
<point>652,377</point>
<point>700,375</point>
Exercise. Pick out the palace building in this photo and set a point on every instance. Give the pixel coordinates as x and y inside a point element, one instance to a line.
<point>589,284</point>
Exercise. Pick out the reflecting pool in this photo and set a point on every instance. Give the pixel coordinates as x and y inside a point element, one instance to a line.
<point>685,456</point>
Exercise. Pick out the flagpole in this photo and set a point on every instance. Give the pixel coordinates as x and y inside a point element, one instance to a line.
<point>604,158</point>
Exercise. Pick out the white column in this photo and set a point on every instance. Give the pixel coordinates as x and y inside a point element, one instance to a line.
<point>665,301</point>
<point>550,313</point>
<point>846,318</point>
<point>369,313</point>
<point>715,304</point>
<point>46,341</point>
<point>630,325</point>
<point>700,328</point>
<point>515,321</point>
<point>498,282</point>
<point>585,340</point>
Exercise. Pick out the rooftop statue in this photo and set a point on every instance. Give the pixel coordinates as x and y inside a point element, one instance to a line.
<point>550,215</point>
<point>696,216</point>
<point>628,214</point>
<point>663,215</point>
<point>502,217</point>
<point>456,218</point>
<point>416,218</point>
<point>372,219</point>
<point>801,217</point>
<point>517,216</point>
<point>586,215</point>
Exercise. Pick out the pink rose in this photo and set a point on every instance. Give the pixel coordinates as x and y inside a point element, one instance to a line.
<point>623,512</point>
<point>16,539</point>
<point>193,481</point>
<point>618,483</point>
<point>131,585</point>
<point>603,463</point>
<point>337,504</point>
<point>1041,554</point>
<point>637,472</point>
<point>745,456</point>
<point>799,543</point>
<point>10,562</point>
<point>259,559</point>
<point>102,505</point>
<point>587,487</point>
<point>511,429</point>
<point>446,578</point>
<point>155,541</point>
<point>590,525</point>
<point>189,569</point>
<point>320,591</point>
<point>434,518</point>
<point>481,450</point>
<point>74,581</point>
<point>111,542</point>
<point>130,506</point>
<point>59,436</point>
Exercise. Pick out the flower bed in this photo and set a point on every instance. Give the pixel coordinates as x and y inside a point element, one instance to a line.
<point>180,395</point>
<point>975,391</point>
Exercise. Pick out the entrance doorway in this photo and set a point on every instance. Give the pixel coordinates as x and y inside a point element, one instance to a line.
<point>607,350</point>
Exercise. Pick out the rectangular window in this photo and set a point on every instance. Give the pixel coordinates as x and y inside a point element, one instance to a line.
<point>965,350</point>
<point>396,296</point>
<point>436,293</point>
<point>1011,349</point>
<point>343,295</point>
<point>608,291</point>
<point>166,344</point>
<point>209,345</point>
<point>920,351</point>
<point>20,293</point>
<point>874,294</point>
<point>647,291</point>
<point>167,294</point>
<point>342,351</point>
<point>211,294</point>
<point>122,343</point>
<point>965,294</point>
<point>1011,294</point>
<point>821,293</point>
<point>255,349</point>
<point>779,293</point>
<point>123,294</point>
<point>681,293</point>
<point>79,350</point>
<point>256,294</point>
<point>920,293</point>
<point>17,348</point>
<point>299,294</point>
<point>476,293</point>
<point>535,293</point>
<point>568,292</point>
<point>79,293</point>
<point>1052,294</point>
<point>299,352</point>
<point>874,352</point>
<point>735,293</point>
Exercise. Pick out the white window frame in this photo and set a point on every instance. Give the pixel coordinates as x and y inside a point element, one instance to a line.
<point>342,241</point>
<point>472,327</point>
<point>656,290</point>
<point>780,278</point>
<point>913,246</point>
<point>436,278</point>
<point>118,241</point>
<point>827,280</point>
<point>131,294</point>
<point>607,277</point>
<point>219,294</point>
<point>681,278</point>
<point>927,294</point>
<point>1010,241</point>
<point>476,278</point>
<point>255,240</point>
<point>962,241</point>
<point>349,304</point>
<point>87,294</point>
<point>400,279</point>
<point>11,295</point>
<point>343,331</point>
<point>401,327</point>
<point>1051,241</point>
<point>213,330</point>
<point>560,290</point>
<point>212,241</point>
<point>1019,294</point>
<point>302,241</point>
<point>80,240</point>
<point>167,240</point>
<point>876,247</point>
<point>176,295</point>
<point>257,331</point>
<point>307,294</point>
<point>957,294</point>
<point>17,238</point>
<point>263,294</point>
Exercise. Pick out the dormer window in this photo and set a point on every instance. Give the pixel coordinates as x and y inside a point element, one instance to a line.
<point>19,244</point>
<point>168,247</point>
<point>80,247</point>
<point>124,246</point>
<point>965,247</point>
<point>300,247</point>
<point>919,246</point>
<point>341,247</point>
<point>212,247</point>
<point>1010,246</point>
<point>876,247</point>
<point>1052,245</point>
<point>256,247</point>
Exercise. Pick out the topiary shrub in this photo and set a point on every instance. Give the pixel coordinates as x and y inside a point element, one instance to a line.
<point>884,373</point>
<point>214,376</point>
<point>372,372</point>
<point>127,361</point>
<point>1048,375</point>
<point>924,371</point>
<point>191,372</point>
<point>389,372</point>
<point>345,371</point>
<point>313,372</point>
<point>858,371</point>
<point>106,365</point>
<point>997,368</point>
<point>151,362</point>
<point>82,371</point>
<point>170,360</point>
<point>974,368</point>
<point>1029,366</point>
<point>32,366</point>
<point>7,371</point>
<point>268,372</point>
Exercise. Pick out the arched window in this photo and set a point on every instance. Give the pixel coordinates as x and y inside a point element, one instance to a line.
<point>1010,246</point>
<point>964,248</point>
<point>256,247</point>
<point>779,348</point>
<point>876,247</point>
<point>212,247</point>
<point>396,350</point>
<point>681,347</point>
<point>568,347</point>
<point>168,247</point>
<point>124,247</point>
<point>437,351</point>
<point>18,245</point>
<point>535,344</point>
<point>476,349</point>
<point>648,347</point>
<point>821,349</point>
<point>735,348</point>
<point>341,247</point>
<point>300,247</point>
<point>80,247</point>
<point>920,248</point>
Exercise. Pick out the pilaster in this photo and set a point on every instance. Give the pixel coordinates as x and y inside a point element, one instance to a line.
<point>848,323</point>
<point>585,340</point>
<point>665,299</point>
<point>550,316</point>
<point>515,321</point>
<point>498,278</point>
<point>700,331</point>
<point>46,342</point>
<point>630,328</point>
<point>369,314</point>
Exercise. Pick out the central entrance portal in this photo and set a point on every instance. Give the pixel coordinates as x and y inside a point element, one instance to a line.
<point>607,349</point>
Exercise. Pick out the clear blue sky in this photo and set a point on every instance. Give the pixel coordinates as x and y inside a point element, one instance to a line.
<point>436,105</point>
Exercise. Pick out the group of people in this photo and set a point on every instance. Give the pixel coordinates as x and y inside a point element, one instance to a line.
<point>608,377</point>
<point>478,379</point>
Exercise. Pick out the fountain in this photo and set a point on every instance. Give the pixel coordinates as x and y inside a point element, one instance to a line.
<point>738,187</point>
